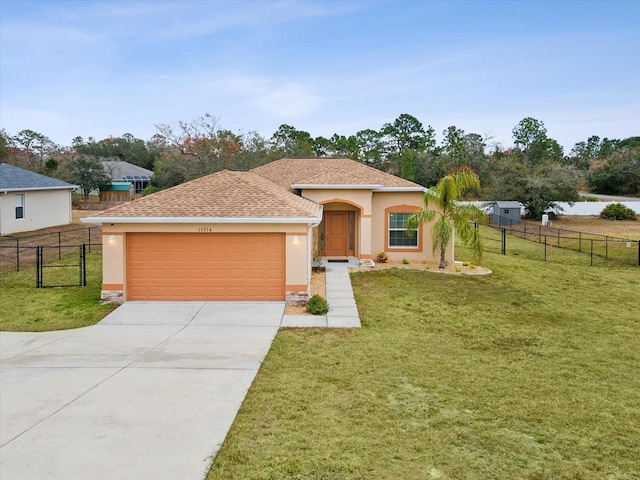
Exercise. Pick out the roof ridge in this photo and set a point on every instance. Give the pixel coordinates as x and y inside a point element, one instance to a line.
<point>316,169</point>
<point>277,191</point>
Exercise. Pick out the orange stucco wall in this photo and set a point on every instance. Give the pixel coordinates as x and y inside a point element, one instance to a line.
<point>372,220</point>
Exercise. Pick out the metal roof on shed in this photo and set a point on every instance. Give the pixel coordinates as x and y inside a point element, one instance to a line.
<point>508,204</point>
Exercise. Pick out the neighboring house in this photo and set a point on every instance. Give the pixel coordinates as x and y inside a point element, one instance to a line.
<point>250,235</point>
<point>30,201</point>
<point>121,171</point>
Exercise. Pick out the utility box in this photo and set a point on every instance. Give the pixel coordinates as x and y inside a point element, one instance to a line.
<point>507,213</point>
<point>545,220</point>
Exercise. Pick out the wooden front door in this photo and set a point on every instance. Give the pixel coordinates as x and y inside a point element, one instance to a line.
<point>339,230</point>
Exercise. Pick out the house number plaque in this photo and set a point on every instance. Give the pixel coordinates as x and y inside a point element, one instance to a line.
<point>205,229</point>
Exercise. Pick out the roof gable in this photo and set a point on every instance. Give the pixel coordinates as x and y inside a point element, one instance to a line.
<point>225,194</point>
<point>14,178</point>
<point>329,172</point>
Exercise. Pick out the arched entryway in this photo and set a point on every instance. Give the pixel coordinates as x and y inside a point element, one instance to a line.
<point>338,232</point>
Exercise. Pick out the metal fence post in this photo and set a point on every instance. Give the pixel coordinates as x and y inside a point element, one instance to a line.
<point>504,241</point>
<point>38,266</point>
<point>17,254</point>
<point>83,264</point>
<point>592,252</point>
<point>545,248</point>
<point>580,242</point>
<point>606,247</point>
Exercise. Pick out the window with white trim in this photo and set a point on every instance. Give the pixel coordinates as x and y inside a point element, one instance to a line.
<point>398,236</point>
<point>19,206</point>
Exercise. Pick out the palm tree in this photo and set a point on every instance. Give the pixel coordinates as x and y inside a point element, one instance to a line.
<point>451,214</point>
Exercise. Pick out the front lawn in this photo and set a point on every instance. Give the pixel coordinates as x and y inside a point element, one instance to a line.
<point>29,309</point>
<point>530,373</point>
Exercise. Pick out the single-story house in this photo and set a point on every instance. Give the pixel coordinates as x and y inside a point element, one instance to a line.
<point>121,171</point>
<point>251,235</point>
<point>30,201</point>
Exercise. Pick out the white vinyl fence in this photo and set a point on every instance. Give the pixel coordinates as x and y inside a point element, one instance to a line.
<point>578,208</point>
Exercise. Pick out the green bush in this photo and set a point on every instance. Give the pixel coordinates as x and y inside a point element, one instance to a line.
<point>405,261</point>
<point>317,305</point>
<point>617,211</point>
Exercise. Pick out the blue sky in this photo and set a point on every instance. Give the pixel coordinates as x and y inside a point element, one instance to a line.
<point>105,68</point>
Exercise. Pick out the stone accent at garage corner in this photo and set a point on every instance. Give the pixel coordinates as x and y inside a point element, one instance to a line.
<point>112,296</point>
<point>296,297</point>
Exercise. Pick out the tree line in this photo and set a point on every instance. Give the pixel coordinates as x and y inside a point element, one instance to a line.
<point>536,171</point>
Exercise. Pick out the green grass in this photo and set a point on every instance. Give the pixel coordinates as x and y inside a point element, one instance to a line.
<point>530,373</point>
<point>29,309</point>
<point>605,249</point>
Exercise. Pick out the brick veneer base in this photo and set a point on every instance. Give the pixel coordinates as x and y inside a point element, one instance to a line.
<point>299,298</point>
<point>112,296</point>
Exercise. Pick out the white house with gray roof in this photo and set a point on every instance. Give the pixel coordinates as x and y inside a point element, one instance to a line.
<point>30,201</point>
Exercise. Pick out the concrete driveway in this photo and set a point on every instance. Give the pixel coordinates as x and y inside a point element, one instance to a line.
<point>148,393</point>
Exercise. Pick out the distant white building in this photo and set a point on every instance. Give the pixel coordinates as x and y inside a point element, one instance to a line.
<point>30,201</point>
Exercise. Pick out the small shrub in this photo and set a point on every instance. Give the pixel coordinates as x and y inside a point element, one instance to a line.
<point>317,305</point>
<point>589,198</point>
<point>382,257</point>
<point>405,261</point>
<point>617,211</point>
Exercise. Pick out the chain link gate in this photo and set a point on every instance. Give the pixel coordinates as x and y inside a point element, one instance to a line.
<point>61,266</point>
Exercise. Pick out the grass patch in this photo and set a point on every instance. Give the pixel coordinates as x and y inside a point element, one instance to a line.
<point>565,250</point>
<point>530,373</point>
<point>29,309</point>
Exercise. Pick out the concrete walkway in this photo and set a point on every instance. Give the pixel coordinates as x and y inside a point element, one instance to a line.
<point>148,393</point>
<point>343,312</point>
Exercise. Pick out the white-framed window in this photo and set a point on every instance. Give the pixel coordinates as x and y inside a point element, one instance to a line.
<point>19,206</point>
<point>398,236</point>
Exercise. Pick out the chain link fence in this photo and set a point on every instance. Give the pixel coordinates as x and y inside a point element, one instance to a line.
<point>65,258</point>
<point>595,246</point>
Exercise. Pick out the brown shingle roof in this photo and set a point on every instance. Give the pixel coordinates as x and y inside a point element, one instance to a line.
<point>328,171</point>
<point>225,194</point>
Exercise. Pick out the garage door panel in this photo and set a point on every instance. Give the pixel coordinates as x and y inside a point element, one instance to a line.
<point>205,266</point>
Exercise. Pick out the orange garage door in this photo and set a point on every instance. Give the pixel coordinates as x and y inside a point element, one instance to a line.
<point>208,266</point>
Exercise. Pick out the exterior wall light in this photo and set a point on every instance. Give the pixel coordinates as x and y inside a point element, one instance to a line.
<point>296,239</point>
<point>112,238</point>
